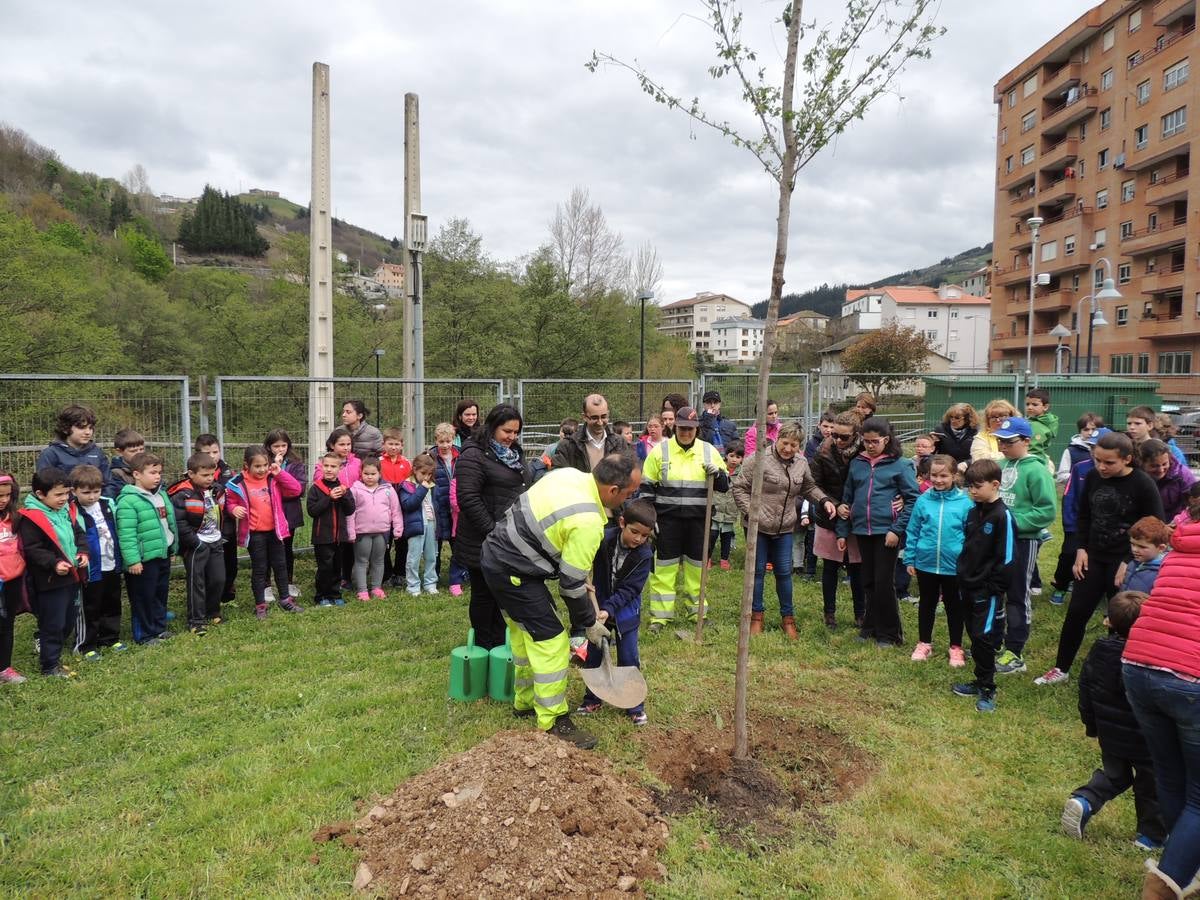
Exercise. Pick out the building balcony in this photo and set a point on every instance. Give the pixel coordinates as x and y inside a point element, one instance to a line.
<point>1063,264</point>
<point>1058,190</point>
<point>1168,12</point>
<point>1022,206</point>
<point>1168,278</point>
<point>1044,302</point>
<point>1059,155</point>
<point>1164,325</point>
<point>1159,151</point>
<point>1066,77</point>
<point>1011,274</point>
<point>1042,339</point>
<point>1075,109</point>
<point>1017,179</point>
<point>1152,240</point>
<point>1168,189</point>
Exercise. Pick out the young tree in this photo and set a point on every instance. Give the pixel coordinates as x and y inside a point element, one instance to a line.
<point>844,71</point>
<point>883,356</point>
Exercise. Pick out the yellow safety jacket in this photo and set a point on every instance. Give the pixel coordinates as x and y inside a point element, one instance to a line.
<point>676,480</point>
<point>554,530</point>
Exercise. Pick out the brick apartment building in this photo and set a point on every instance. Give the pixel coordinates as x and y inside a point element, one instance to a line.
<point>1093,136</point>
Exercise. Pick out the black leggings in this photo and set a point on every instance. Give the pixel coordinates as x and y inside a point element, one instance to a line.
<point>881,616</point>
<point>1097,585</point>
<point>267,559</point>
<point>484,611</point>
<point>932,588</point>
<point>830,578</point>
<point>289,556</point>
<point>13,597</point>
<point>726,538</point>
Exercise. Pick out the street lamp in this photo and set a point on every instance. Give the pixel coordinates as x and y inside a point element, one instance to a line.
<point>1108,291</point>
<point>1059,331</point>
<point>643,296</point>
<point>974,342</point>
<point>1035,224</point>
<point>1079,326</point>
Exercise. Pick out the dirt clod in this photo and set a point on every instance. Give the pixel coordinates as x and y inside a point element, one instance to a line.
<point>508,840</point>
<point>362,877</point>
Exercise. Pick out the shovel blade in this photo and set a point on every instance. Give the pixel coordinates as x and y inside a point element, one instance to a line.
<point>621,686</point>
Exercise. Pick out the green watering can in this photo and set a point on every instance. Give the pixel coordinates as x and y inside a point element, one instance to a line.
<point>500,671</point>
<point>468,670</point>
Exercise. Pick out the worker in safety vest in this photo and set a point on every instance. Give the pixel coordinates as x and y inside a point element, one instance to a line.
<point>553,531</point>
<point>675,476</point>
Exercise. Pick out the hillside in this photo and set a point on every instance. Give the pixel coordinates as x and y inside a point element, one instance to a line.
<point>828,298</point>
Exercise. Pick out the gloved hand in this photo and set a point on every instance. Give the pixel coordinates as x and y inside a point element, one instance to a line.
<point>711,468</point>
<point>596,633</point>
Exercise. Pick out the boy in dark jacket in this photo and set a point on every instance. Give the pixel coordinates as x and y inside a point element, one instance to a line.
<point>329,502</point>
<point>128,444</point>
<point>984,570</point>
<point>1106,714</point>
<point>102,588</point>
<point>208,444</point>
<point>74,430</point>
<point>55,559</point>
<point>619,574</point>
<point>199,512</point>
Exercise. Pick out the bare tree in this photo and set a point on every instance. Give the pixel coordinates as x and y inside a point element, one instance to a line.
<point>845,71</point>
<point>645,271</point>
<point>589,255</point>
<point>137,182</point>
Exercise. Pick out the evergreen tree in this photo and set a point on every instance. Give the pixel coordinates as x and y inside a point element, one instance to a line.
<point>221,224</point>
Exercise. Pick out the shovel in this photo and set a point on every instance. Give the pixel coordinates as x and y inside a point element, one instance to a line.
<point>621,686</point>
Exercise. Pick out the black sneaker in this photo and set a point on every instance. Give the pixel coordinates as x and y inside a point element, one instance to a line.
<point>564,728</point>
<point>524,713</point>
<point>289,605</point>
<point>60,672</point>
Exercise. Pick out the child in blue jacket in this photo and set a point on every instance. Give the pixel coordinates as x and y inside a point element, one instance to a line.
<point>420,525</point>
<point>619,574</point>
<point>877,477</point>
<point>1149,541</point>
<point>935,539</point>
<point>101,606</point>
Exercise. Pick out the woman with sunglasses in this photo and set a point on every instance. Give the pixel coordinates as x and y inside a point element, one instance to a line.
<point>829,467</point>
<point>985,445</point>
<point>956,433</point>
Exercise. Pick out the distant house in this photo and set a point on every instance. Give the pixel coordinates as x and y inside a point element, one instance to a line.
<point>979,282</point>
<point>693,319</point>
<point>259,192</point>
<point>831,357</point>
<point>390,277</point>
<point>737,340</point>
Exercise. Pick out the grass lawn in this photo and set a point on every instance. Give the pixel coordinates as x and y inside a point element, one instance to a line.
<point>203,766</point>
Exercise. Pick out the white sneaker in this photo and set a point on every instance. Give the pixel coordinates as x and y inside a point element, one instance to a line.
<point>431,591</point>
<point>293,591</point>
<point>1054,676</point>
<point>269,595</point>
<point>1035,592</point>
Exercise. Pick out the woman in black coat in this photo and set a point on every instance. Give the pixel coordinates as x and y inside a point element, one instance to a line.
<point>491,473</point>
<point>956,432</point>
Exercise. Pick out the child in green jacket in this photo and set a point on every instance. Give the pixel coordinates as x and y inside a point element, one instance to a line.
<point>725,514</point>
<point>1042,422</point>
<point>147,535</point>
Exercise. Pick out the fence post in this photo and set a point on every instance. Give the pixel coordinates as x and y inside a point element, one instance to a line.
<point>521,397</point>
<point>808,419</point>
<point>186,422</point>
<point>219,400</point>
<point>203,400</point>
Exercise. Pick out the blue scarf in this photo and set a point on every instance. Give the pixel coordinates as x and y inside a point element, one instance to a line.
<point>507,455</point>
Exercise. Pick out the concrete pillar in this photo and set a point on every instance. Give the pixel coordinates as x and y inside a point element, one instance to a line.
<point>321,400</point>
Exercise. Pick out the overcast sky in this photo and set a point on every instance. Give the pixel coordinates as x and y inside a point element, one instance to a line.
<point>220,92</point>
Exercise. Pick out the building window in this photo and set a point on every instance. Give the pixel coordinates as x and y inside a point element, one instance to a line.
<point>1132,60</point>
<point>1101,237</point>
<point>1135,20</point>
<point>1087,52</point>
<point>1081,170</point>
<point>1069,245</point>
<point>1027,155</point>
<point>932,334</point>
<point>1121,364</point>
<point>1083,131</point>
<point>1143,364</point>
<point>1028,121</point>
<point>953,356</point>
<point>1012,98</point>
<point>1126,230</point>
<point>931,313</point>
<point>1141,136</point>
<point>1030,86</point>
<point>1008,165</point>
<point>1122,315</point>
<point>1148,309</point>
<point>1125,273</point>
<point>1174,122</point>
<point>1049,251</point>
<point>1152,221</point>
<point>1102,159</point>
<point>954,313</point>
<point>1075,282</point>
<point>1128,189</point>
<point>1004,135</point>
<point>1108,39</point>
<point>1097,277</point>
<point>1102,199</point>
<point>1176,75</point>
<point>1106,79</point>
<point>1143,92</point>
<point>1175,363</point>
<point>1105,119</point>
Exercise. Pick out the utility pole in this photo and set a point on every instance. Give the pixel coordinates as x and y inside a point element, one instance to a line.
<point>320,274</point>
<point>414,246</point>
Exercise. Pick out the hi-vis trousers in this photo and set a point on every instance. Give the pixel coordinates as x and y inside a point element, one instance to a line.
<point>540,647</point>
<point>680,547</point>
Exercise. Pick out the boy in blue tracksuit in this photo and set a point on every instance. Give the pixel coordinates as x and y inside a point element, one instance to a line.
<point>623,563</point>
<point>931,549</point>
<point>101,607</point>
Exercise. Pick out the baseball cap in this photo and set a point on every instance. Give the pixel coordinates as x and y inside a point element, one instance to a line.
<point>711,397</point>
<point>1013,427</point>
<point>685,417</point>
<point>1093,438</point>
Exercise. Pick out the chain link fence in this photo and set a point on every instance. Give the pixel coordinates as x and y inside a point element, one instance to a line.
<point>545,402</point>
<point>247,407</point>
<point>739,396</point>
<point>156,406</point>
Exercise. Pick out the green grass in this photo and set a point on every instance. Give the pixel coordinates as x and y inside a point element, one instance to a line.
<point>202,767</point>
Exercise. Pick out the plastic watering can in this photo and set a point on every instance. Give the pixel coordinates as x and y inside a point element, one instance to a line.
<point>500,671</point>
<point>468,670</point>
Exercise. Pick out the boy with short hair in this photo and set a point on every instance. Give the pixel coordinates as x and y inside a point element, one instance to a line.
<point>74,446</point>
<point>824,430</point>
<point>724,512</point>
<point>1124,757</point>
<point>209,445</point>
<point>1149,541</point>
<point>1027,489</point>
<point>984,572</point>
<point>329,504</point>
<point>128,444</point>
<point>624,429</point>
<point>1139,424</point>
<point>394,468</point>
<point>619,574</point>
<point>148,536</point>
<point>101,607</point>
<point>199,510</point>
<point>1042,422</point>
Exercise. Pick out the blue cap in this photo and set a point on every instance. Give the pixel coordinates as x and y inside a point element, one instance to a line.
<point>1093,438</point>
<point>1014,427</point>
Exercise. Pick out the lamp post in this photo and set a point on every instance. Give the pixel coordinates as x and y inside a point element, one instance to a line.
<point>1035,224</point>
<point>1108,291</point>
<point>1059,331</point>
<point>1079,327</point>
<point>643,296</point>
<point>974,342</point>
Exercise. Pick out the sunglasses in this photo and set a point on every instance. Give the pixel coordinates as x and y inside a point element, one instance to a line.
<point>842,437</point>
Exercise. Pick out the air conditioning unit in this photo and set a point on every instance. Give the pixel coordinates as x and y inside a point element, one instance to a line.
<point>1093,246</point>
<point>1119,163</point>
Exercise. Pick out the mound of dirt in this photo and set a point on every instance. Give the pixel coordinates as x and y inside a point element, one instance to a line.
<point>794,769</point>
<point>521,815</point>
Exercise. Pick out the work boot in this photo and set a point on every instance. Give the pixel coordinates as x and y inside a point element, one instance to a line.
<point>564,728</point>
<point>789,628</point>
<point>1159,886</point>
<point>756,623</point>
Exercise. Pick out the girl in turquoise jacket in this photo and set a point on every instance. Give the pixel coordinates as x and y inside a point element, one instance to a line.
<point>935,538</point>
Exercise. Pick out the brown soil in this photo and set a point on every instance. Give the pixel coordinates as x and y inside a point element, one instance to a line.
<point>794,769</point>
<point>521,815</point>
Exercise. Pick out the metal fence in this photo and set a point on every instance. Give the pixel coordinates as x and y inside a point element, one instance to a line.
<point>156,406</point>
<point>247,407</point>
<point>739,395</point>
<point>545,402</point>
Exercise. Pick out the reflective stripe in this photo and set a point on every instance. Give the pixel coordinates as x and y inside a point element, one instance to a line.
<point>523,682</point>
<point>682,501</point>
<point>706,447</point>
<point>569,570</point>
<point>517,625</point>
<point>550,677</point>
<point>559,514</point>
<point>520,660</point>
<point>523,547</point>
<point>688,561</point>
<point>674,561</point>
<point>525,510</point>
<point>550,701</point>
<point>572,593</point>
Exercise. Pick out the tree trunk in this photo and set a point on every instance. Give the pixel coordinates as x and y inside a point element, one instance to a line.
<point>787,182</point>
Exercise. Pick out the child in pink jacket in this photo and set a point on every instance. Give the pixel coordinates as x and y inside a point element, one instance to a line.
<point>254,497</point>
<point>376,513</point>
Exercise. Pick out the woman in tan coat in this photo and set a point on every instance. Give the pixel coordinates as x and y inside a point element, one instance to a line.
<point>785,477</point>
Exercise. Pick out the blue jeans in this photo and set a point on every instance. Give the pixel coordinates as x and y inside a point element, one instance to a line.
<point>775,549</point>
<point>1168,709</point>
